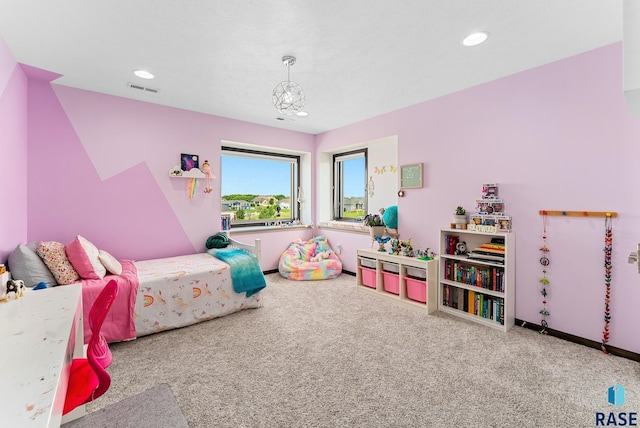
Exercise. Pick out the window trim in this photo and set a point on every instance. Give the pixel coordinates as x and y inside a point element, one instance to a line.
<point>295,182</point>
<point>337,185</point>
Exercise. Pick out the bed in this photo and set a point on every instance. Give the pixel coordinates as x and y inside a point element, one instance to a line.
<point>163,294</point>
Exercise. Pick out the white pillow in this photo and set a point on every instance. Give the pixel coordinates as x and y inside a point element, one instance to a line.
<point>110,262</point>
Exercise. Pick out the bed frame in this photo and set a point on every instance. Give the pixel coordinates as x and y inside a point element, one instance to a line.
<point>256,248</point>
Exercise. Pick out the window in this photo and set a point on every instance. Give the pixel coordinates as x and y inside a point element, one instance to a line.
<point>349,185</point>
<point>259,188</point>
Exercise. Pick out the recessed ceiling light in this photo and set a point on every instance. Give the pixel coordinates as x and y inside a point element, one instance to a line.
<point>474,39</point>
<point>144,74</point>
<point>302,113</point>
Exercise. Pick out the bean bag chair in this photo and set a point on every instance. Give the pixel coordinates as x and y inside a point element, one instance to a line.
<point>309,260</point>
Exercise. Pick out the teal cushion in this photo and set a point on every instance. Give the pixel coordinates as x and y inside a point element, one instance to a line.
<point>390,217</point>
<point>219,240</point>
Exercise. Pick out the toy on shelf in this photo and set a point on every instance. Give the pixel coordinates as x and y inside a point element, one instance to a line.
<point>406,248</point>
<point>381,242</point>
<point>425,254</point>
<point>15,286</point>
<point>489,216</point>
<point>461,249</point>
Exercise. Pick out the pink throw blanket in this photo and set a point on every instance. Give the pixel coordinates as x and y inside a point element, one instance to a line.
<point>119,324</point>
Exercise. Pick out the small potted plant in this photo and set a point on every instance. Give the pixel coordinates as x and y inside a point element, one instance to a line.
<point>375,223</point>
<point>460,216</point>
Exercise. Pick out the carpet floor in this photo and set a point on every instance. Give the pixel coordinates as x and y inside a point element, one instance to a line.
<point>324,354</point>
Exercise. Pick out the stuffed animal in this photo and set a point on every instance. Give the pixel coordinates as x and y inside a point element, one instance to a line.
<point>15,286</point>
<point>321,256</point>
<point>461,249</point>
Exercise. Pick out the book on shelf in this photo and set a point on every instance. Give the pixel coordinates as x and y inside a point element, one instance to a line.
<point>225,222</point>
<point>482,256</point>
<point>487,277</point>
<point>490,251</point>
<point>490,246</point>
<point>450,242</point>
<point>478,304</point>
<point>471,298</point>
<point>462,302</point>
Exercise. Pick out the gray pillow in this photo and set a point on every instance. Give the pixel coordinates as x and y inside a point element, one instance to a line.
<point>25,264</point>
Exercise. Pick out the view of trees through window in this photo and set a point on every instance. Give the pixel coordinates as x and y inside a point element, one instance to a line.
<point>258,188</point>
<point>257,207</point>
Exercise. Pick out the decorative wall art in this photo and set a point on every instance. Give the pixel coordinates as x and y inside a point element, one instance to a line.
<point>188,161</point>
<point>411,176</point>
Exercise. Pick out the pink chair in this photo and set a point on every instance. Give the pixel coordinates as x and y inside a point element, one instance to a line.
<point>88,379</point>
<point>100,346</point>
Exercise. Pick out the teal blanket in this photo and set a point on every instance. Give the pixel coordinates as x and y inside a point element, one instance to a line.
<point>245,269</point>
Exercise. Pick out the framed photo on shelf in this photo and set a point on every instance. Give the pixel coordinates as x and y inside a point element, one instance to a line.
<point>188,161</point>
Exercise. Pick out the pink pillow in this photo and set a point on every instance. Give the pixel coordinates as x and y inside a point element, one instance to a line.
<point>84,256</point>
<point>54,256</point>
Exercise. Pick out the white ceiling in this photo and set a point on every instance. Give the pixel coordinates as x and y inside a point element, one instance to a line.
<point>356,59</point>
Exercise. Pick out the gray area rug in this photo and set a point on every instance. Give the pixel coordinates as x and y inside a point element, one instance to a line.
<point>154,408</point>
<point>324,354</point>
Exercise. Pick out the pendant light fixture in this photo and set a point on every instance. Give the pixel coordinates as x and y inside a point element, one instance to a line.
<point>288,97</point>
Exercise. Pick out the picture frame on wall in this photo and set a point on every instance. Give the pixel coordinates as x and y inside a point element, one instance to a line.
<point>189,161</point>
<point>411,176</point>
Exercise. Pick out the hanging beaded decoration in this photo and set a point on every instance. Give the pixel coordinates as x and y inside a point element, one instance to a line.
<point>544,261</point>
<point>608,244</point>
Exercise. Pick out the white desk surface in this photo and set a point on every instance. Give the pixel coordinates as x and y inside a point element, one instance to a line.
<point>38,335</point>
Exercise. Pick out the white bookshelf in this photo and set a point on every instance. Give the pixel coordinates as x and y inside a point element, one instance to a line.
<point>461,277</point>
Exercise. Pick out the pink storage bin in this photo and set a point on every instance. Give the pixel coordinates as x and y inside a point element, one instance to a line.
<point>368,277</point>
<point>391,282</point>
<point>416,289</point>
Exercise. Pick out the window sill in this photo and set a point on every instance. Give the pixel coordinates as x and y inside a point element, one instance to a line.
<point>242,230</point>
<point>351,227</point>
<point>346,226</point>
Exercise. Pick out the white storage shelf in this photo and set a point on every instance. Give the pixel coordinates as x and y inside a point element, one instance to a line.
<point>408,274</point>
<point>459,274</point>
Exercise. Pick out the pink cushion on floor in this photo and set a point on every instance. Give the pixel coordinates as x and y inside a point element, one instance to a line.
<point>82,382</point>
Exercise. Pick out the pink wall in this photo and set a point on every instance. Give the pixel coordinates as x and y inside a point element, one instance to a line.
<point>554,137</point>
<point>557,137</point>
<point>13,153</point>
<point>99,167</point>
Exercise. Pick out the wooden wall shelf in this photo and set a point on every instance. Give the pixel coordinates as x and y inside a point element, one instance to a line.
<point>579,213</point>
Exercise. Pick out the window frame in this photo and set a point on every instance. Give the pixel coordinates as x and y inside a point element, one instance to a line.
<point>295,182</point>
<point>338,183</point>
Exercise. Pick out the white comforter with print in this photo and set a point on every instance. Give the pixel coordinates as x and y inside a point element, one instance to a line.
<point>179,291</point>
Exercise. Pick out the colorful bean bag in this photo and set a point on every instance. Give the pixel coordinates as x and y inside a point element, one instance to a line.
<point>309,260</point>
